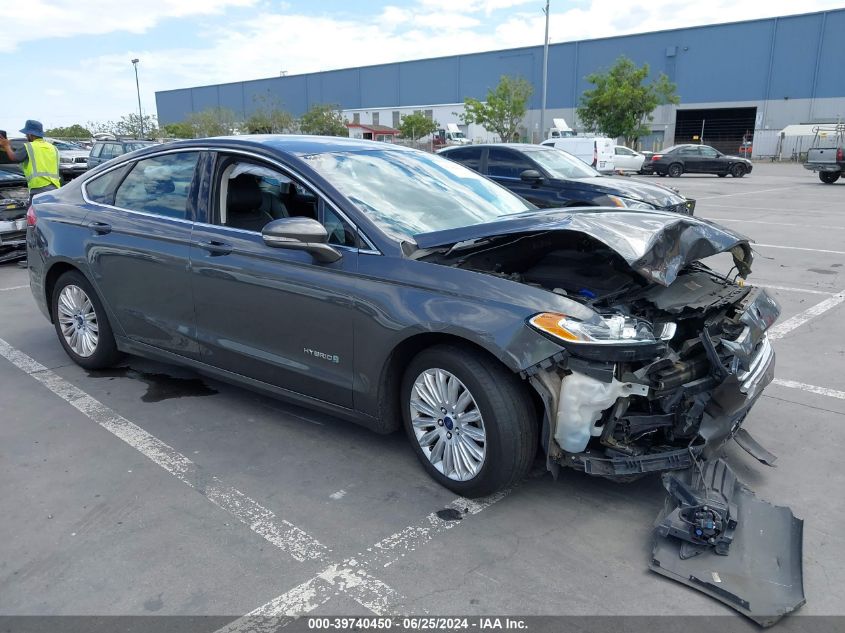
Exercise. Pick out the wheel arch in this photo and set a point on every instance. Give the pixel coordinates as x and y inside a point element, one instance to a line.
<point>390,380</point>
<point>55,271</point>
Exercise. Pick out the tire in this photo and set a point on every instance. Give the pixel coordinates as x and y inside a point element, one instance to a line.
<point>737,170</point>
<point>675,170</point>
<point>503,441</point>
<point>81,322</point>
<point>829,177</point>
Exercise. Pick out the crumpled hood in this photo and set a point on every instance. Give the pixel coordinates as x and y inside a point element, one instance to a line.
<point>652,193</point>
<point>655,244</point>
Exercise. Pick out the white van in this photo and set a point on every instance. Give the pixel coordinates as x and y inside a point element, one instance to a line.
<point>597,151</point>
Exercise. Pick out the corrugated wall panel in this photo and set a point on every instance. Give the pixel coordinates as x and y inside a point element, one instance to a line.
<point>746,61</point>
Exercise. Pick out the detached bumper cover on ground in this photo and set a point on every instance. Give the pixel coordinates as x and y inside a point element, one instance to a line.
<point>716,536</point>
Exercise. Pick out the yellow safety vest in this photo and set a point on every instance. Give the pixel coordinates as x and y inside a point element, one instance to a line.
<point>42,167</point>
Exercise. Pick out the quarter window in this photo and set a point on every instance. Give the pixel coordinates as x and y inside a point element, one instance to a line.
<point>159,185</point>
<point>102,188</point>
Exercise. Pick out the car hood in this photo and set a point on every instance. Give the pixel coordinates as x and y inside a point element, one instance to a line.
<point>656,245</point>
<point>657,195</point>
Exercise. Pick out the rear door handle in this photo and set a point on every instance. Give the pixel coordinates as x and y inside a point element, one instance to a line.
<point>100,228</point>
<point>215,247</point>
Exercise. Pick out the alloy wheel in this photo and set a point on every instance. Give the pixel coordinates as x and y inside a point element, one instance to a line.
<point>448,424</point>
<point>78,321</point>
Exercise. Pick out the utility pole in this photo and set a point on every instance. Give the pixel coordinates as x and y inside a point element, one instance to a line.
<point>138,89</point>
<point>545,73</point>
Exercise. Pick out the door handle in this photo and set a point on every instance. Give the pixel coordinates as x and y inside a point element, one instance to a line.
<point>215,247</point>
<point>100,228</point>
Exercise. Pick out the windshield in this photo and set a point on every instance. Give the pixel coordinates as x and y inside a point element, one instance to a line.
<point>407,192</point>
<point>66,145</point>
<point>560,164</point>
<point>457,134</point>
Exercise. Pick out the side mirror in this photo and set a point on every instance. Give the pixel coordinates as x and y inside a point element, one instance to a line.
<point>531,175</point>
<point>300,234</point>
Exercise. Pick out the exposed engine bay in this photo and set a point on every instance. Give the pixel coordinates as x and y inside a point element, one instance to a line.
<point>14,198</point>
<point>658,379</point>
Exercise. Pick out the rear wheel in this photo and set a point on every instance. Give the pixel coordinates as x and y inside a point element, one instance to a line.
<point>829,177</point>
<point>471,422</point>
<point>738,170</point>
<point>675,170</point>
<point>81,322</point>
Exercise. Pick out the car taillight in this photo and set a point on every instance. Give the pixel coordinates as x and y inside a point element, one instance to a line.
<point>30,216</point>
<point>839,155</point>
<point>657,157</point>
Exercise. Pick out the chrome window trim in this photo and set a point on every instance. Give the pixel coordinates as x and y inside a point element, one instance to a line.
<point>371,250</point>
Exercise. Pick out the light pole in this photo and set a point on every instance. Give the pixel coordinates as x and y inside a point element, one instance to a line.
<point>138,89</point>
<point>545,73</point>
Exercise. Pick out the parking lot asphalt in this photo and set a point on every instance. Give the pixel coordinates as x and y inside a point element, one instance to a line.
<point>151,490</point>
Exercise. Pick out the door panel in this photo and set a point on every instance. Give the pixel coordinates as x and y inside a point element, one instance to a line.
<point>139,259</point>
<point>273,314</point>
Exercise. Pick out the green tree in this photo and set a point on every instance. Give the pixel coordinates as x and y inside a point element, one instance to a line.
<point>324,119</point>
<point>212,122</point>
<point>137,127</point>
<point>415,126</point>
<point>268,117</point>
<point>72,131</point>
<point>182,129</point>
<point>504,108</point>
<point>621,104</point>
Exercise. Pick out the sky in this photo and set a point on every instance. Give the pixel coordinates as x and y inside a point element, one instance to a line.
<point>68,61</point>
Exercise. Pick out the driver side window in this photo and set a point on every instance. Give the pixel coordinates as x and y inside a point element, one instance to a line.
<point>250,195</point>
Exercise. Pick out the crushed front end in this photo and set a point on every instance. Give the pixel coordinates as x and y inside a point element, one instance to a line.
<point>14,198</point>
<point>697,360</point>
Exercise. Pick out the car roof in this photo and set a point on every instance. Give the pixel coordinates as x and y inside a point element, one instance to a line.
<point>518,146</point>
<point>300,144</point>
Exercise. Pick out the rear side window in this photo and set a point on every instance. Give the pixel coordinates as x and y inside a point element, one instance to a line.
<point>467,156</point>
<point>102,188</point>
<point>95,151</point>
<point>161,185</point>
<point>506,163</point>
<point>110,150</point>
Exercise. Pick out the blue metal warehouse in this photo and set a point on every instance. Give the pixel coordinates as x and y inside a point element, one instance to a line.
<point>757,75</point>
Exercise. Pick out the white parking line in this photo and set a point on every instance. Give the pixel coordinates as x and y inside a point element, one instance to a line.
<point>316,591</point>
<point>782,329</point>
<point>811,291</point>
<point>798,248</point>
<point>14,288</point>
<point>283,534</point>
<point>358,584</point>
<point>742,193</point>
<point>803,226</point>
<point>822,391</point>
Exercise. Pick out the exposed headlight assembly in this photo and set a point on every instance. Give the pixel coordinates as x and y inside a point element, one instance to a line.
<point>627,203</point>
<point>609,338</point>
<point>615,329</point>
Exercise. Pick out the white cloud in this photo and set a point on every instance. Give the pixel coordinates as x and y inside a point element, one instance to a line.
<point>277,38</point>
<point>46,19</point>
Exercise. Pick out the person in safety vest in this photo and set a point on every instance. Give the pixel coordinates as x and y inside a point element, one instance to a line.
<point>40,161</point>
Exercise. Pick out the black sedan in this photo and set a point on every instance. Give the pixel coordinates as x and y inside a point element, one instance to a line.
<point>697,159</point>
<point>550,178</point>
<point>393,287</point>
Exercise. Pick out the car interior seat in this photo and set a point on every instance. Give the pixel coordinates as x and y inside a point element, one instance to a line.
<point>243,204</point>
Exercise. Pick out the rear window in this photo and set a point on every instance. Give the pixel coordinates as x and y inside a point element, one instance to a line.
<point>160,185</point>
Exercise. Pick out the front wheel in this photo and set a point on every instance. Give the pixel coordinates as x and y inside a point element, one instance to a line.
<point>81,323</point>
<point>737,171</point>
<point>829,177</point>
<point>471,422</point>
<point>675,170</point>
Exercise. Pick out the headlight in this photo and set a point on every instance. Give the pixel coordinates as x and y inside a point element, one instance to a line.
<point>65,159</point>
<point>615,329</point>
<point>627,203</point>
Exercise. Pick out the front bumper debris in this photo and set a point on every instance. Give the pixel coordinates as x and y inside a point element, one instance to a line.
<point>716,536</point>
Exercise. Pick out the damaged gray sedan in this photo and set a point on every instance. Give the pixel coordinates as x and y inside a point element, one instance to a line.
<point>396,288</point>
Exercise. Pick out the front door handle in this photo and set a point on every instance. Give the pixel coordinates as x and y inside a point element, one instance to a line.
<point>215,247</point>
<point>100,228</point>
